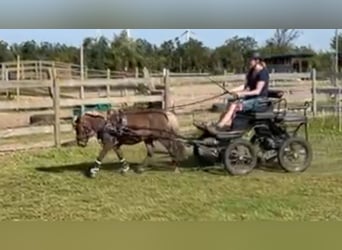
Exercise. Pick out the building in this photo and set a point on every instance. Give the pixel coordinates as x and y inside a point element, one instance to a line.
<point>289,63</point>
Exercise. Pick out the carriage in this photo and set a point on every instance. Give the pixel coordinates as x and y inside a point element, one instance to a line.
<point>270,135</point>
<point>261,137</point>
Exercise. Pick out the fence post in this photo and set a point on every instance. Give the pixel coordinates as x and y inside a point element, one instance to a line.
<point>5,78</point>
<point>3,71</point>
<point>18,77</point>
<point>56,108</point>
<point>136,72</point>
<point>108,86</point>
<point>273,81</point>
<point>313,92</point>
<point>82,98</point>
<point>85,72</point>
<point>166,89</point>
<point>82,62</point>
<point>148,79</point>
<point>40,70</point>
<point>339,110</point>
<point>18,67</point>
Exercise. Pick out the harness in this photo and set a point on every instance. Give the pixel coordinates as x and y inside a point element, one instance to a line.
<point>117,127</point>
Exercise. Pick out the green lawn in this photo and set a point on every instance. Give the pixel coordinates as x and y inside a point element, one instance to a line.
<point>49,185</point>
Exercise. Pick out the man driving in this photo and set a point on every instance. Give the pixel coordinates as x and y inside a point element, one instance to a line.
<point>249,96</point>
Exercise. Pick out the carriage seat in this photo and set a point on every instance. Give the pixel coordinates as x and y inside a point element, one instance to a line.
<point>266,108</point>
<point>276,94</point>
<point>292,117</point>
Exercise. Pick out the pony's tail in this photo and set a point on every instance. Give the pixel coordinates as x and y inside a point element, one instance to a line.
<point>173,122</point>
<point>177,146</point>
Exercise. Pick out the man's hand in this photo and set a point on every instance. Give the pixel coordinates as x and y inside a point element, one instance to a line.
<point>235,95</point>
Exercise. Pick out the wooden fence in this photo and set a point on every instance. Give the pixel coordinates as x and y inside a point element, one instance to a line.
<point>58,102</point>
<point>59,83</point>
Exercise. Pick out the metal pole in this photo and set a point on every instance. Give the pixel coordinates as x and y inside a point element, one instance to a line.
<point>82,61</point>
<point>336,80</point>
<point>336,52</point>
<point>82,76</point>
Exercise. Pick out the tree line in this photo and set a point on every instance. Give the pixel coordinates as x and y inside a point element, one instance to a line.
<point>125,54</point>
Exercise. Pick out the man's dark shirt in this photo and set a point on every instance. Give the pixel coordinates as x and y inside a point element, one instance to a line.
<point>253,78</point>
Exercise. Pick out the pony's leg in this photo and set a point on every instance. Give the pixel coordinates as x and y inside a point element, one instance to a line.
<point>150,152</point>
<point>169,146</point>
<point>124,164</point>
<point>92,171</point>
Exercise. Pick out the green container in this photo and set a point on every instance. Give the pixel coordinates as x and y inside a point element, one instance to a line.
<point>103,107</point>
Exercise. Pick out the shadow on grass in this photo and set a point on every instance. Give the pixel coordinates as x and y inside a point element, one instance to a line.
<point>161,163</point>
<point>81,167</point>
<point>218,169</point>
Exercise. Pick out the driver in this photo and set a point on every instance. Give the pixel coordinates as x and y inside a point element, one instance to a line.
<point>249,95</point>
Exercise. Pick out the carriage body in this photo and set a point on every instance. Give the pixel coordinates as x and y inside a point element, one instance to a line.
<point>266,135</point>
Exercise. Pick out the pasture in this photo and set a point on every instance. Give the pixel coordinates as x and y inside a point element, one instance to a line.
<point>49,185</point>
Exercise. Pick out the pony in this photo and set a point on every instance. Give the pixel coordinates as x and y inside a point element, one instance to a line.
<point>131,127</point>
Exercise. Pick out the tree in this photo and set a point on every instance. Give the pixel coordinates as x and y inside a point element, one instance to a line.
<point>97,53</point>
<point>234,54</point>
<point>333,43</point>
<point>284,38</point>
<point>167,55</point>
<point>282,42</point>
<point>147,54</point>
<point>27,50</point>
<point>193,56</point>
<point>124,52</point>
<point>5,52</point>
<point>322,62</point>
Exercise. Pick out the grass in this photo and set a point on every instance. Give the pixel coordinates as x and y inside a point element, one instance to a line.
<point>49,185</point>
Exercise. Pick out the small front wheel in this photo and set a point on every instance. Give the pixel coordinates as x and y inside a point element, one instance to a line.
<point>295,155</point>
<point>240,157</point>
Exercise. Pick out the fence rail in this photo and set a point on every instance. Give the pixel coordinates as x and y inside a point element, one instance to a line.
<point>41,70</point>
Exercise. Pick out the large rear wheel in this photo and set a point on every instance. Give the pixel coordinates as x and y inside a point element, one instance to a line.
<point>295,155</point>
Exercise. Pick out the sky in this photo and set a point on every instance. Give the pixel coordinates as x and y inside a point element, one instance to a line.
<point>318,39</point>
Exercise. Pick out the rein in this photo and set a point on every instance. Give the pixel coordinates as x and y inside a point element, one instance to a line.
<point>206,99</point>
<point>198,102</point>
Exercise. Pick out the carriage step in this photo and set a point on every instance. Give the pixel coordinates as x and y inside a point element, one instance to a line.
<point>230,134</point>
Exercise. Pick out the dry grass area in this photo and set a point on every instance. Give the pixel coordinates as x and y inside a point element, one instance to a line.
<point>49,185</point>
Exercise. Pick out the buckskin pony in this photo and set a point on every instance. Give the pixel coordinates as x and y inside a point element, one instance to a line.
<point>130,128</point>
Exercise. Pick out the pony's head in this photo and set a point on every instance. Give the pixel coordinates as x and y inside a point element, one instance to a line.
<point>87,126</point>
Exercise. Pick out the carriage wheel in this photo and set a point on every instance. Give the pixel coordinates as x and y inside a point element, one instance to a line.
<point>240,157</point>
<point>295,155</point>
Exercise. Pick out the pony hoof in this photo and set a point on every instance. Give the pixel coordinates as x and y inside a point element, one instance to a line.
<point>139,170</point>
<point>177,171</point>
<point>92,172</point>
<point>124,170</point>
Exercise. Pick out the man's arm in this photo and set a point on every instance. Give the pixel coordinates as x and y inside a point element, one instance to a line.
<point>238,89</point>
<point>262,79</point>
<point>256,91</point>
